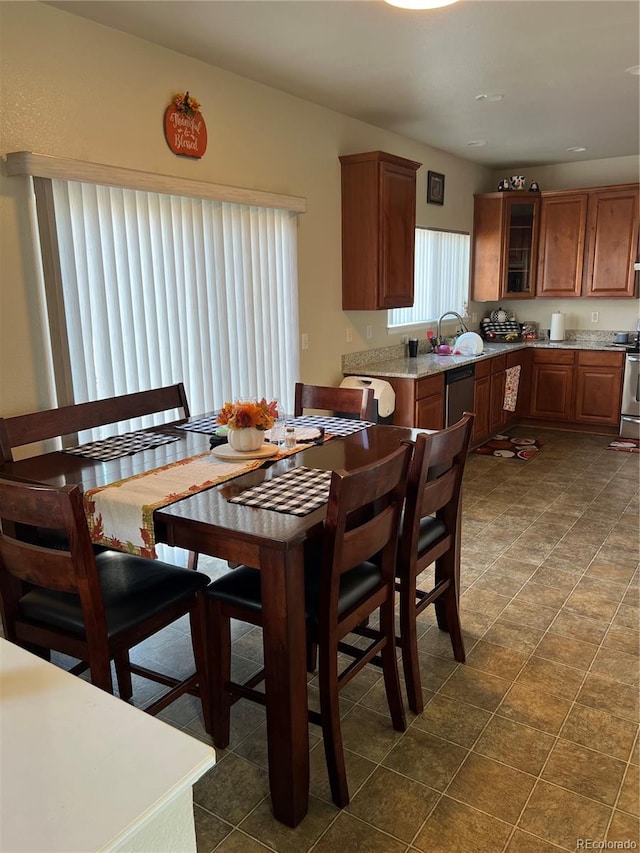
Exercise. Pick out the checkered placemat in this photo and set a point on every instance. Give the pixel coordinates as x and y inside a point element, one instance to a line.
<point>208,425</point>
<point>121,445</point>
<point>298,492</point>
<point>332,426</point>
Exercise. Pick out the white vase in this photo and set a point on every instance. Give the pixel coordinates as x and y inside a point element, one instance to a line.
<point>245,439</point>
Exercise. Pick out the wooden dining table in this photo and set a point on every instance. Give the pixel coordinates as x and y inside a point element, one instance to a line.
<point>270,541</point>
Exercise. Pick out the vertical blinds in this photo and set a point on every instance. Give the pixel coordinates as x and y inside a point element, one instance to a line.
<point>160,289</point>
<point>441,277</point>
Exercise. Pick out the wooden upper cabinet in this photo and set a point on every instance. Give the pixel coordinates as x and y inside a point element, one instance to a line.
<point>505,242</point>
<point>563,228</point>
<point>613,242</point>
<point>378,231</point>
<point>588,242</point>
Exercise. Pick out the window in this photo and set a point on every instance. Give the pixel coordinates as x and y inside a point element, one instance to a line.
<point>441,279</point>
<point>159,289</point>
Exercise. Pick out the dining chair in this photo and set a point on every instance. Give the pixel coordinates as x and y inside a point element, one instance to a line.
<point>34,427</point>
<point>342,588</point>
<point>21,430</point>
<point>356,402</point>
<point>91,606</point>
<point>430,532</point>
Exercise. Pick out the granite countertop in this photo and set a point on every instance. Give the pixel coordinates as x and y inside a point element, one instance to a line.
<point>430,364</point>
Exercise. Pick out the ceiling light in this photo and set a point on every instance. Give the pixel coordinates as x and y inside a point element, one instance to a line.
<point>420,4</point>
<point>576,149</point>
<point>477,143</point>
<point>634,69</point>
<point>494,97</point>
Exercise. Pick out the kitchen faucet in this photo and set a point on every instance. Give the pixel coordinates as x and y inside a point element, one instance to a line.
<point>449,314</point>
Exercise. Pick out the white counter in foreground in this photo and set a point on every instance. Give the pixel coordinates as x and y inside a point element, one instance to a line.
<point>81,770</point>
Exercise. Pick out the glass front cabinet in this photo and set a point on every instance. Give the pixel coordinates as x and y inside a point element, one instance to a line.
<point>505,245</point>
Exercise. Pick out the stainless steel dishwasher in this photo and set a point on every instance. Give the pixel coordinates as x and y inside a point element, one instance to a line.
<point>458,389</point>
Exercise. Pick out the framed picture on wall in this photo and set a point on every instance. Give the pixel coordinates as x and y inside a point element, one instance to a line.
<point>435,188</point>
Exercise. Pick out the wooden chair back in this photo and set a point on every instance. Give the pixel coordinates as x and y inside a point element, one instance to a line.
<point>363,517</point>
<point>358,402</point>
<point>431,534</point>
<point>26,429</point>
<point>434,489</point>
<point>362,522</point>
<point>69,567</point>
<point>62,596</point>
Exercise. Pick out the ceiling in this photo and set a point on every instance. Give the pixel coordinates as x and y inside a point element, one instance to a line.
<point>560,66</point>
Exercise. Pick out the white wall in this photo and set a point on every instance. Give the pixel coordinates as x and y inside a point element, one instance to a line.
<point>75,89</point>
<point>569,176</point>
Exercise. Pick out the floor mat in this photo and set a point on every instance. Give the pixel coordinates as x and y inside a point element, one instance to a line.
<point>510,447</point>
<point>629,445</point>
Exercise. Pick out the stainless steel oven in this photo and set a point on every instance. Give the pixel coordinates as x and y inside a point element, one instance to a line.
<point>630,416</point>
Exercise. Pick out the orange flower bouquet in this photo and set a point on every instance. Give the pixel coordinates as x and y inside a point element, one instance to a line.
<point>249,413</point>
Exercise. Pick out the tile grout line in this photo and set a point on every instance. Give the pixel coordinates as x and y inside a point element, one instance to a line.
<point>573,703</point>
<point>532,654</point>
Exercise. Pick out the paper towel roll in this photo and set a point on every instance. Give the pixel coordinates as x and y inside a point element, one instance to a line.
<point>557,327</point>
<point>383,392</point>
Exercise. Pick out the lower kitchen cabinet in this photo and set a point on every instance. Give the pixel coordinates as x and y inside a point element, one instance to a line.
<point>491,416</point>
<point>552,384</point>
<point>579,387</point>
<point>598,387</point>
<point>419,402</point>
<point>561,387</point>
<point>497,413</point>
<point>481,401</point>
<point>430,402</point>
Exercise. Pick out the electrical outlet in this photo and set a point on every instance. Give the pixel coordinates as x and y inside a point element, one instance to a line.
<point>369,332</point>
<point>474,317</point>
<point>304,340</point>
<point>405,339</point>
<point>349,334</point>
<point>594,316</point>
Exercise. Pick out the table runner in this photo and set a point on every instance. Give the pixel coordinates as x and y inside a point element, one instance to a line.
<point>117,446</point>
<point>120,515</point>
<point>298,492</point>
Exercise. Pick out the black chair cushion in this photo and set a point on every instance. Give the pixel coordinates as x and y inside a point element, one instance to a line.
<point>241,588</point>
<point>134,589</point>
<point>355,584</point>
<point>431,529</point>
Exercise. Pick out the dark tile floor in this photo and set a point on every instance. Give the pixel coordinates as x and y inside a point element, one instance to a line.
<point>532,744</point>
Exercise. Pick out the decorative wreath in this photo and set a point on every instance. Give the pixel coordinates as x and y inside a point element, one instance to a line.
<point>186,104</point>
